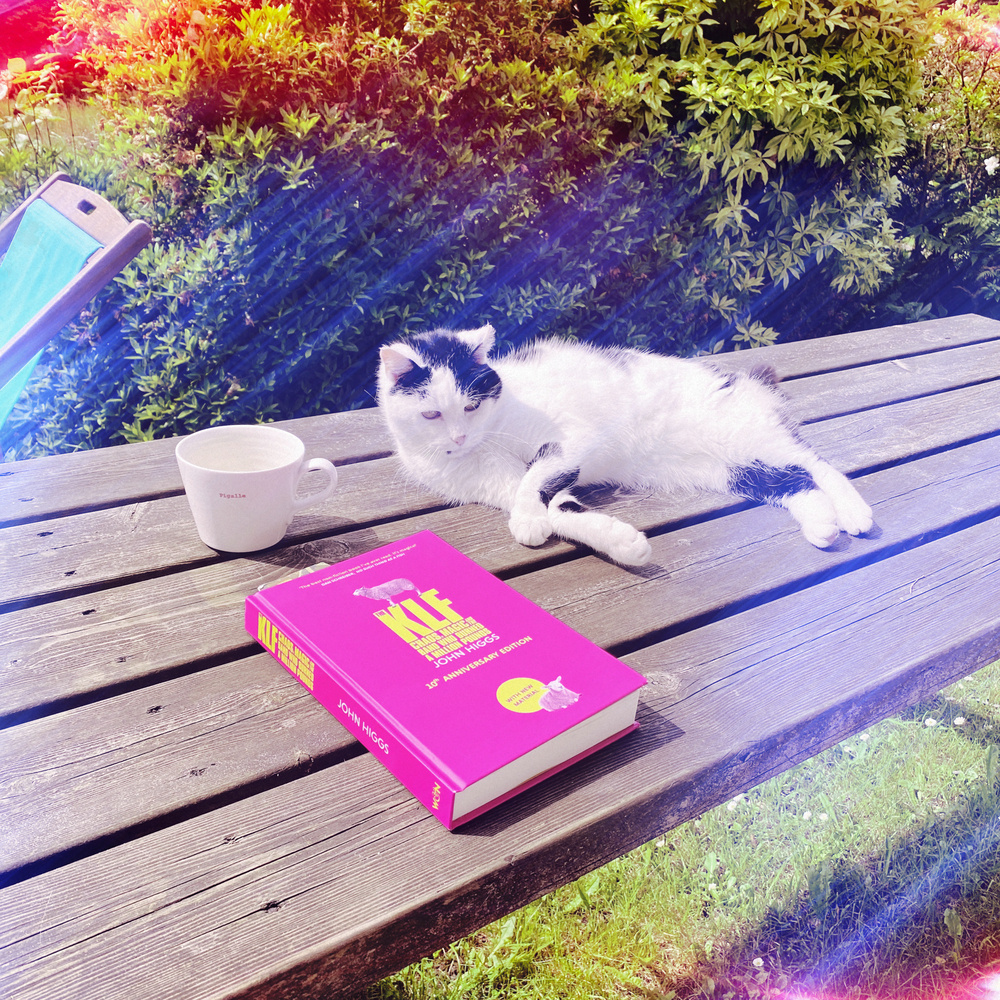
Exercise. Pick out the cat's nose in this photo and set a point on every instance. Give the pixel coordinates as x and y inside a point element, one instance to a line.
<point>459,439</point>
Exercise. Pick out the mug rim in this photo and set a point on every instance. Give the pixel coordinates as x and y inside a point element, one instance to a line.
<point>231,430</point>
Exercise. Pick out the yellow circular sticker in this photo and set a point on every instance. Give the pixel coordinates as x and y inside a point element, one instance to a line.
<point>521,694</point>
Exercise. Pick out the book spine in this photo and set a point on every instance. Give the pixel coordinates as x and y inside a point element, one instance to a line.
<point>351,708</point>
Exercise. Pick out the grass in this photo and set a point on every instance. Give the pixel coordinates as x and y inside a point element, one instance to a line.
<point>870,871</point>
<point>39,128</point>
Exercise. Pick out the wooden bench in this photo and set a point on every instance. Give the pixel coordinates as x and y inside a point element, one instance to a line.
<point>180,820</point>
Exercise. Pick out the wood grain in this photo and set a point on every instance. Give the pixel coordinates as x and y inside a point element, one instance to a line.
<point>267,876</point>
<point>113,544</point>
<point>125,763</point>
<point>68,553</point>
<point>174,801</point>
<point>144,630</point>
<point>44,487</point>
<point>864,347</point>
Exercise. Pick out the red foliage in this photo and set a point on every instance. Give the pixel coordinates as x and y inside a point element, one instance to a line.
<point>25,28</point>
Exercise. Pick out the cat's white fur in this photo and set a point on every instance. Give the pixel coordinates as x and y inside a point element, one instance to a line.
<point>630,418</point>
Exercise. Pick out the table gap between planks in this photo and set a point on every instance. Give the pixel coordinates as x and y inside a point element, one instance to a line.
<point>181,820</point>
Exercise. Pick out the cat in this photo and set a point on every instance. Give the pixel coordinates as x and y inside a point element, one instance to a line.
<point>523,431</point>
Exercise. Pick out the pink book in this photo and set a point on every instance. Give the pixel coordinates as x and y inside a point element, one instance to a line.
<point>465,690</point>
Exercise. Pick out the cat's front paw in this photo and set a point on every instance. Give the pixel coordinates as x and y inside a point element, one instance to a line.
<point>628,546</point>
<point>530,529</point>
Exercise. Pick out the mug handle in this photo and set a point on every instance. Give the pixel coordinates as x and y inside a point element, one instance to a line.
<point>322,465</point>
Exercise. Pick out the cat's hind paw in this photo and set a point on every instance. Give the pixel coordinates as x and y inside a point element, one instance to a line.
<point>530,529</point>
<point>816,516</point>
<point>854,515</point>
<point>850,510</point>
<point>821,535</point>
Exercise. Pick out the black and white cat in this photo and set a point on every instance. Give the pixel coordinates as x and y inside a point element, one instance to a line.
<point>521,432</point>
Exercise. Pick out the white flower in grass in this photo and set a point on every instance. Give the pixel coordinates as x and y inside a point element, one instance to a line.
<point>807,815</point>
<point>930,723</point>
<point>991,164</point>
<point>959,720</point>
<point>939,39</point>
<point>758,963</point>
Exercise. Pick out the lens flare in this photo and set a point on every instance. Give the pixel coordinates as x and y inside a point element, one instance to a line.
<point>988,987</point>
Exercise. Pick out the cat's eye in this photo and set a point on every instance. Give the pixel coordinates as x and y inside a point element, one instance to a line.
<point>431,414</point>
<point>474,405</point>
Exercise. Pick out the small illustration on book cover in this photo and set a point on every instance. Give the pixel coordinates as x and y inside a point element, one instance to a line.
<point>557,696</point>
<point>525,694</point>
<point>426,621</point>
<point>386,591</point>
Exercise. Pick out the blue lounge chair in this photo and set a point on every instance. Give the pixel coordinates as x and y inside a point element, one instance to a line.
<point>57,250</point>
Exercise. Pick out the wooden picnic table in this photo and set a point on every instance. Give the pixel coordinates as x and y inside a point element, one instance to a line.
<point>181,820</point>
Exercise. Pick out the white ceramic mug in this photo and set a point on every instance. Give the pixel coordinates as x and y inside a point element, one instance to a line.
<point>241,482</point>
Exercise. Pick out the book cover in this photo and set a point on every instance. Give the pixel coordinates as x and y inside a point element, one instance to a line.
<point>465,690</point>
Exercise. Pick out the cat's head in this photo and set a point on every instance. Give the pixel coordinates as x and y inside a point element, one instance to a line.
<point>437,390</point>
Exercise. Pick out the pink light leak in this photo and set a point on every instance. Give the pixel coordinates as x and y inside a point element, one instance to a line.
<point>981,986</point>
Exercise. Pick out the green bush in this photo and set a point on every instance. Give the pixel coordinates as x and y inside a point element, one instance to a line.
<point>791,115</point>
<point>209,61</point>
<point>950,179</point>
<point>675,175</point>
<point>282,263</point>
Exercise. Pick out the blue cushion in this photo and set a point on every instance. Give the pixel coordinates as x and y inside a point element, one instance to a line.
<point>46,253</point>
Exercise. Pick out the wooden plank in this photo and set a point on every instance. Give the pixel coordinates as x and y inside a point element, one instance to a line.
<point>107,770</point>
<point>835,393</point>
<point>707,570</point>
<point>142,632</point>
<point>864,347</point>
<point>813,668</point>
<point>83,646</point>
<point>842,632</point>
<point>297,893</point>
<point>154,529</point>
<point>97,547</point>
<point>60,484</point>
<point>704,570</point>
<point>146,537</point>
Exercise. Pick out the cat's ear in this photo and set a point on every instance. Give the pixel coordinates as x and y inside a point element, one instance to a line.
<point>395,363</point>
<point>483,340</point>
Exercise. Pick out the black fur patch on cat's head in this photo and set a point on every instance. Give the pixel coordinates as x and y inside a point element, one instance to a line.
<point>413,381</point>
<point>440,349</point>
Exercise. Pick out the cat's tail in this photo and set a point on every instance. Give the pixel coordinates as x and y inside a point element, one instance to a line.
<point>764,373</point>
